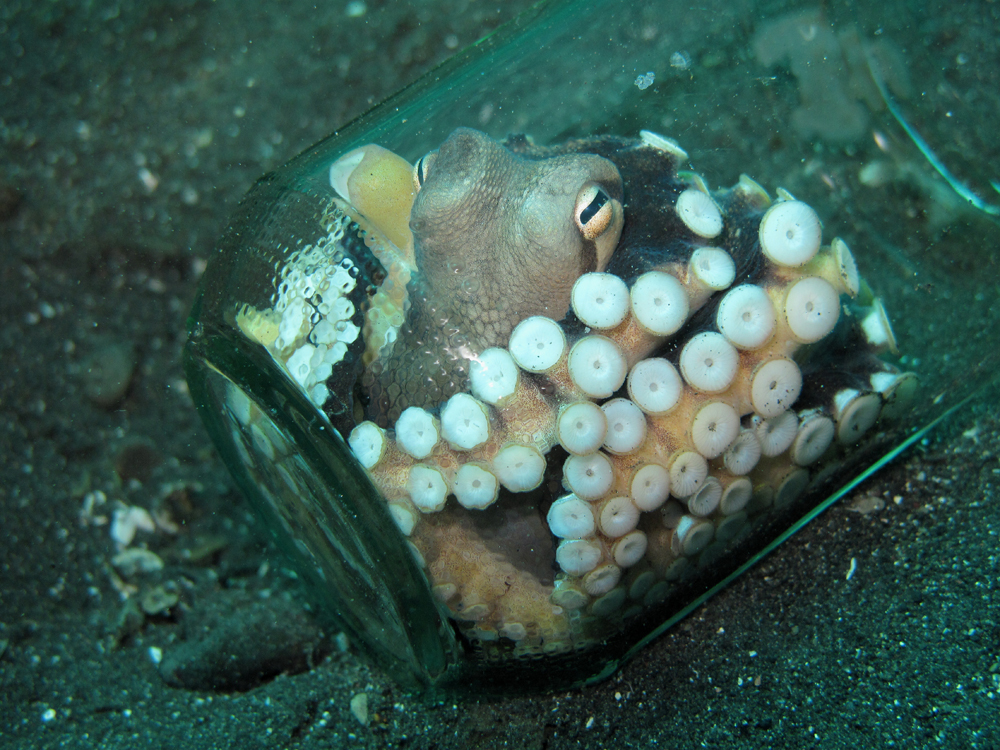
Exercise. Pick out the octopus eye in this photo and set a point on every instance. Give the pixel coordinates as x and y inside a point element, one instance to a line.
<point>422,168</point>
<point>594,211</point>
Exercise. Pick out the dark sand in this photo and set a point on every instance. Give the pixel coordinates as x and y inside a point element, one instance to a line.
<point>128,133</point>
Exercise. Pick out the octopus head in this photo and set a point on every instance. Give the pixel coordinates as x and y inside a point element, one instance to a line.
<point>502,237</point>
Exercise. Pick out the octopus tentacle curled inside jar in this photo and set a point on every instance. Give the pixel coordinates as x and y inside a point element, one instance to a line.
<point>578,377</point>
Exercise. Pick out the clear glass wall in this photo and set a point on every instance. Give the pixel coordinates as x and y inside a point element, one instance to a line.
<point>515,298</point>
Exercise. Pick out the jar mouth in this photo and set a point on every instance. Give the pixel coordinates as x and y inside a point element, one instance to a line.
<point>322,510</point>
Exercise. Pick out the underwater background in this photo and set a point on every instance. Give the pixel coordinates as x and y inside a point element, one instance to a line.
<point>139,600</point>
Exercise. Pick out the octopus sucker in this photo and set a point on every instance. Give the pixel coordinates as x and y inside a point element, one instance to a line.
<point>579,376</point>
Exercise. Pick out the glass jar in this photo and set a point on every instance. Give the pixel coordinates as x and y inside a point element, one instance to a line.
<point>513,406</point>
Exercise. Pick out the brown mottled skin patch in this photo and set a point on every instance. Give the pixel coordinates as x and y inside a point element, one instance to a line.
<point>496,241</point>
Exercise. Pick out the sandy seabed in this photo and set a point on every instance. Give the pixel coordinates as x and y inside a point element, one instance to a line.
<point>128,133</point>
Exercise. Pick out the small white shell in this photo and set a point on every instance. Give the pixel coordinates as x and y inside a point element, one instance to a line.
<point>404,515</point>
<point>568,597</point>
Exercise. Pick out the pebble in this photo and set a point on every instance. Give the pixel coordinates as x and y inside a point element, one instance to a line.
<point>867,504</point>
<point>359,708</point>
<point>108,372</point>
<point>159,601</point>
<point>135,560</point>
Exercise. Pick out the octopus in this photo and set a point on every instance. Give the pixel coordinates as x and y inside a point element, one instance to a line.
<point>578,376</point>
